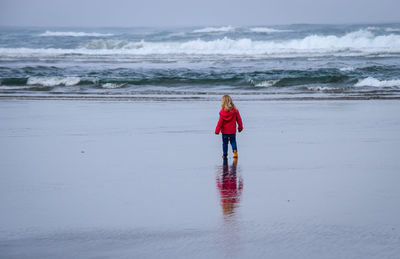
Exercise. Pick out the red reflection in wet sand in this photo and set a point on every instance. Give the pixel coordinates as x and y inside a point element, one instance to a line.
<point>230,187</point>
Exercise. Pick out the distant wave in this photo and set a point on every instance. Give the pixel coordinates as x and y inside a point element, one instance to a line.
<point>392,29</point>
<point>112,85</point>
<point>364,41</point>
<point>326,79</point>
<point>267,30</point>
<point>53,81</point>
<point>266,83</point>
<point>321,88</point>
<point>113,44</point>
<point>356,43</point>
<point>215,29</point>
<point>7,87</point>
<point>373,28</point>
<point>388,29</point>
<point>346,69</point>
<point>370,81</point>
<point>73,34</point>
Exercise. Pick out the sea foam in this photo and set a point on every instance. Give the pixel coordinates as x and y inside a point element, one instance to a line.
<point>373,28</point>
<point>73,34</point>
<point>356,43</point>
<point>53,81</point>
<point>347,69</point>
<point>362,40</point>
<point>371,81</point>
<point>392,29</point>
<point>112,85</point>
<point>321,88</point>
<point>267,30</point>
<point>215,29</point>
<point>266,83</point>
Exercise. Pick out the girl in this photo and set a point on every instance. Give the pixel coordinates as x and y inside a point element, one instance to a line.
<point>228,116</point>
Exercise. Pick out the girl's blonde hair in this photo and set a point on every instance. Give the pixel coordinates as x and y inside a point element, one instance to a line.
<point>227,103</point>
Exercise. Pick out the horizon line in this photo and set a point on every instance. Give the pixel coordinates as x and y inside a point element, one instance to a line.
<point>192,26</point>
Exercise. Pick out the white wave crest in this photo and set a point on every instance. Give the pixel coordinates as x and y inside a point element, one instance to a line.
<point>7,87</point>
<point>215,29</point>
<point>112,85</point>
<point>373,28</point>
<point>267,30</point>
<point>370,81</point>
<point>53,81</point>
<point>357,43</point>
<point>73,34</point>
<point>392,29</point>
<point>266,83</point>
<point>321,88</point>
<point>346,69</point>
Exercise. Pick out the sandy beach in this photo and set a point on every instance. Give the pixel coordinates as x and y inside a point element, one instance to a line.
<point>108,111</point>
<point>145,179</point>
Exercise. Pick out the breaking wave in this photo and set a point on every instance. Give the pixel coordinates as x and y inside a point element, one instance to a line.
<point>267,30</point>
<point>370,81</point>
<point>321,88</point>
<point>73,34</point>
<point>392,29</point>
<point>215,29</point>
<point>373,28</point>
<point>266,83</point>
<point>346,69</point>
<point>355,43</point>
<point>53,81</point>
<point>112,85</point>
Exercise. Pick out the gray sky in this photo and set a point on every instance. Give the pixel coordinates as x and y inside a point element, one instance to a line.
<point>190,13</point>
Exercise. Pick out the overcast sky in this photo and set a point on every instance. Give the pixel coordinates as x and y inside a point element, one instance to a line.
<point>192,13</point>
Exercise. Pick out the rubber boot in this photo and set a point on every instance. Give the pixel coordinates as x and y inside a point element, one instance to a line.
<point>235,155</point>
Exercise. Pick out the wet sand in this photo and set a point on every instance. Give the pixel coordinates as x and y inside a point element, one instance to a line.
<point>119,179</point>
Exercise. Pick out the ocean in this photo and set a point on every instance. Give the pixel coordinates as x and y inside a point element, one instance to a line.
<point>301,61</point>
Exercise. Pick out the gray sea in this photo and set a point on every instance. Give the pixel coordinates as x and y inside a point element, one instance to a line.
<point>259,62</point>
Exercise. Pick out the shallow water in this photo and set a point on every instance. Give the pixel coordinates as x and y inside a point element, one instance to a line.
<point>91,179</point>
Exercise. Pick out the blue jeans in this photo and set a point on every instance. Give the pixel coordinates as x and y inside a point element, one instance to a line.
<point>226,138</point>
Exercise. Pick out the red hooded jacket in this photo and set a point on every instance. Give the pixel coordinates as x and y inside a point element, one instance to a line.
<point>227,122</point>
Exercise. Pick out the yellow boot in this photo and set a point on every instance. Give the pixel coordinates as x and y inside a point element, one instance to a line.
<point>235,155</point>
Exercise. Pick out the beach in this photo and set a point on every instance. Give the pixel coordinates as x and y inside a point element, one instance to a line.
<point>145,179</point>
<point>107,144</point>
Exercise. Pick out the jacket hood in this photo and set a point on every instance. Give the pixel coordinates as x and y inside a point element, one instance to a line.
<point>227,115</point>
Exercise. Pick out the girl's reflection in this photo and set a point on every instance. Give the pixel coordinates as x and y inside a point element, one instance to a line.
<point>230,187</point>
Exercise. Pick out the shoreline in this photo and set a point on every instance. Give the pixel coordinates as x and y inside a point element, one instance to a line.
<point>191,98</point>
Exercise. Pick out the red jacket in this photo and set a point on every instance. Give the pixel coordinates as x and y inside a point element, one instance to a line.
<point>227,122</point>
